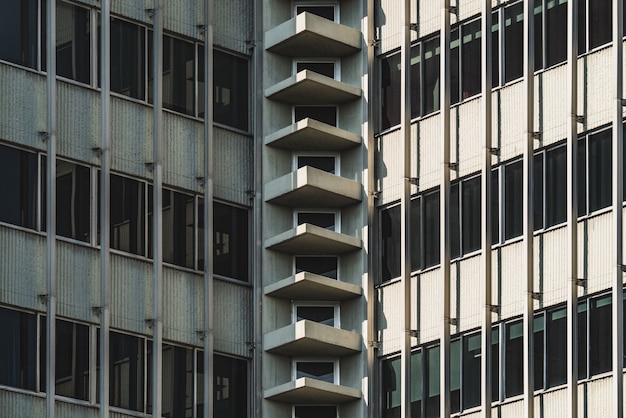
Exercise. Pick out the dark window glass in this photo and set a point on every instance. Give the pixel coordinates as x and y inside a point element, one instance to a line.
<point>390,91</point>
<point>315,411</point>
<point>600,22</point>
<point>178,228</point>
<point>230,241</point>
<point>390,242</point>
<point>128,68</point>
<point>495,364</point>
<point>538,28</point>
<point>431,229</point>
<point>321,314</point>
<point>321,219</point>
<point>556,186</point>
<point>416,384</point>
<point>581,178</point>
<point>470,216</point>
<point>179,68</point>
<point>513,195</point>
<point>455,375</point>
<point>323,68</point>
<point>513,359</point>
<point>582,340</point>
<point>19,30</point>
<point>582,27</point>
<point>471,59</point>
<point>600,167</point>
<point>230,90</point>
<point>231,387</point>
<point>556,348</point>
<point>495,49</point>
<point>538,191</point>
<point>538,347</point>
<point>415,232</point>
<point>455,221</point>
<point>391,386</point>
<point>73,42</point>
<point>324,266</point>
<point>600,335</point>
<point>18,187</point>
<point>431,75</point>
<point>18,349</point>
<point>556,32</point>
<point>513,42</point>
<point>327,12</point>
<point>73,200</point>
<point>324,163</point>
<point>72,360</point>
<point>455,66</point>
<point>126,364</point>
<point>128,223</point>
<point>495,207</point>
<point>416,63</point>
<point>471,371</point>
<point>177,388</point>
<point>325,114</point>
<point>320,370</point>
<point>432,382</point>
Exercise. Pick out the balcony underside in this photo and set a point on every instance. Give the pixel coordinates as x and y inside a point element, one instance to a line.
<point>311,391</point>
<point>312,135</point>
<point>310,286</point>
<point>310,88</point>
<point>307,239</point>
<point>305,338</point>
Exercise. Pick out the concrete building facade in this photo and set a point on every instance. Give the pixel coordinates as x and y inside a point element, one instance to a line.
<point>297,209</point>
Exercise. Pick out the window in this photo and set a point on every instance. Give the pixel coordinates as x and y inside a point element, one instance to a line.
<point>230,378</point>
<point>432,382</point>
<point>127,363</point>
<point>556,362</point>
<point>323,265</point>
<point>390,230</point>
<point>539,331</point>
<point>73,201</point>
<point>431,75</point>
<point>555,186</point>
<point>471,371</point>
<point>513,199</point>
<point>128,67</point>
<point>555,32</point>
<point>327,220</point>
<point>327,68</point>
<point>178,228</point>
<point>600,17</point>
<point>73,42</point>
<point>230,241</point>
<point>325,114</point>
<point>128,222</point>
<point>327,11</point>
<point>600,321</point>
<point>513,42</point>
<point>514,345</point>
<point>19,187</point>
<point>230,90</point>
<point>18,349</point>
<point>177,382</point>
<point>431,225</point>
<point>19,23</point>
<point>323,314</point>
<point>326,371</point>
<point>599,167</point>
<point>390,95</point>
<point>470,59</point>
<point>328,163</point>
<point>315,411</point>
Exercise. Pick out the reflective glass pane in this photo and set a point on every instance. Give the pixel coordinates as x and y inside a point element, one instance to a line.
<point>126,364</point>
<point>321,314</point>
<point>390,75</point>
<point>390,242</point>
<point>324,266</point>
<point>128,69</point>
<point>18,187</point>
<point>128,222</point>
<point>73,200</point>
<point>73,42</point>
<point>600,166</point>
<point>19,31</point>
<point>319,370</point>
<point>18,349</point>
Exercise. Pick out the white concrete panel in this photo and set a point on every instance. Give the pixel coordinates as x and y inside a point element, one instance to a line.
<point>430,300</point>
<point>233,313</point>
<point>510,121</point>
<point>72,410</point>
<point>597,253</point>
<point>131,293</point>
<point>551,266</point>
<point>510,295</point>
<point>429,149</point>
<point>234,162</point>
<point>596,98</point>
<point>466,131</point>
<point>551,404</point>
<point>16,404</point>
<point>78,281</point>
<point>467,293</point>
<point>599,398</point>
<point>131,137</point>
<point>183,305</point>
<point>551,108</point>
<point>389,25</point>
<point>389,171</point>
<point>511,410</point>
<point>389,318</point>
<point>182,139</point>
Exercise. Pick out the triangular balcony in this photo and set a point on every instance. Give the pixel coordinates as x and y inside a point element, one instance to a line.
<point>312,36</point>
<point>311,286</point>
<point>312,135</point>
<point>312,187</point>
<point>306,390</point>
<point>308,239</point>
<point>310,88</point>
<point>305,338</point>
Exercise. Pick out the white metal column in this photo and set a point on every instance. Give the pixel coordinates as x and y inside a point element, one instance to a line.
<point>618,181</point>
<point>529,65</point>
<point>485,213</point>
<point>444,210</point>
<point>157,218</point>
<point>572,211</point>
<point>51,217</point>
<point>405,204</point>
<point>208,210</point>
<point>105,197</point>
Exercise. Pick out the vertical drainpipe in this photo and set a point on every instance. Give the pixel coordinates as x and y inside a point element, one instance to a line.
<point>405,204</point>
<point>208,210</point>
<point>157,219</point>
<point>572,211</point>
<point>444,210</point>
<point>618,181</point>
<point>51,66</point>
<point>105,209</point>
<point>372,229</point>
<point>529,66</point>
<point>485,213</point>
<point>256,389</point>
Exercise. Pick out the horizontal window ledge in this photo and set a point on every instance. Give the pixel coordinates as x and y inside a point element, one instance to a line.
<point>312,36</point>
<point>310,88</point>
<point>311,286</point>
<point>306,338</point>
<point>311,391</point>
<point>307,239</point>
<point>312,135</point>
<point>312,187</point>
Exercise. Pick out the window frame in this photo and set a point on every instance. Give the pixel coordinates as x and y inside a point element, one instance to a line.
<point>321,60</point>
<point>295,304</point>
<point>335,213</point>
<point>334,361</point>
<point>336,257</point>
<point>318,3</point>
<point>335,155</point>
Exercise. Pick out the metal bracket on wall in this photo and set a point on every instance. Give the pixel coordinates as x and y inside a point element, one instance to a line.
<point>413,333</point>
<point>150,166</point>
<point>623,102</point>
<point>97,151</point>
<point>374,344</point>
<point>494,309</point>
<point>201,28</point>
<point>494,151</point>
<point>453,9</point>
<point>453,166</point>
<point>374,42</point>
<point>413,26</point>
<point>150,322</point>
<point>536,295</point>
<point>375,194</point>
<point>43,135</point>
<point>202,334</point>
<point>536,135</point>
<point>581,282</point>
<point>452,321</point>
<point>151,12</point>
<point>97,310</point>
<point>580,119</point>
<point>43,298</point>
<point>413,180</point>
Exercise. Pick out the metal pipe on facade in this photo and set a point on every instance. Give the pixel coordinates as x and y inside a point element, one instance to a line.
<point>485,213</point>
<point>572,211</point>
<point>444,210</point>
<point>405,204</point>
<point>372,231</point>
<point>528,213</point>
<point>51,288</point>
<point>105,209</point>
<point>208,211</point>
<point>157,217</point>
<point>618,181</point>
